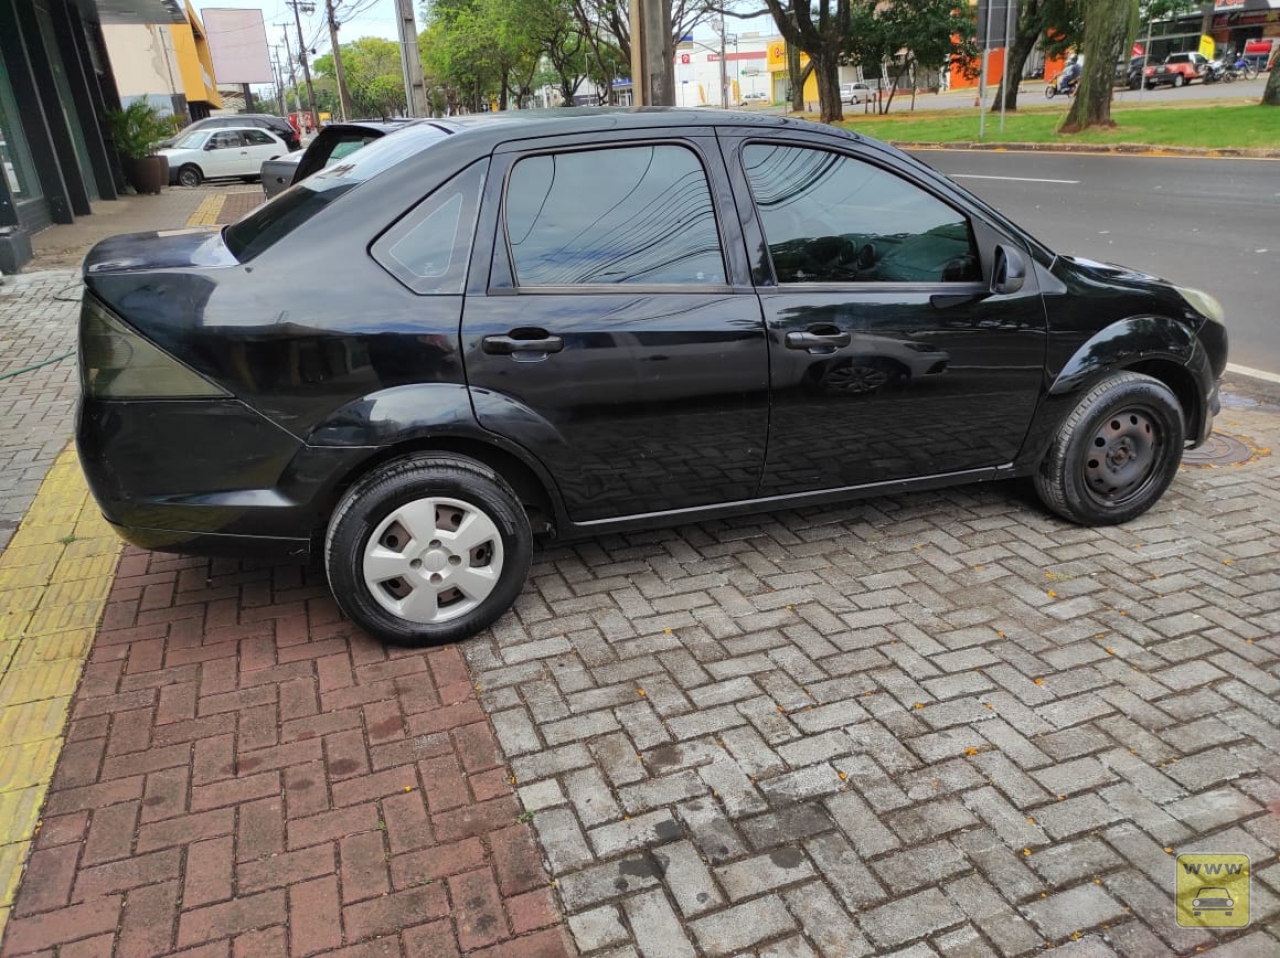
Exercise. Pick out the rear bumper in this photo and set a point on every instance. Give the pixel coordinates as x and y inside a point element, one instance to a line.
<point>208,477</point>
<point>214,544</point>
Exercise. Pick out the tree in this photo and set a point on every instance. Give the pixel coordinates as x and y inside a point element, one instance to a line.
<point>1271,95</point>
<point>824,38</point>
<point>929,33</point>
<point>1109,28</point>
<point>373,74</point>
<point>1054,24</point>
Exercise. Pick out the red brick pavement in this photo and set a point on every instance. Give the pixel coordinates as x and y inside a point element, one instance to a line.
<point>248,774</point>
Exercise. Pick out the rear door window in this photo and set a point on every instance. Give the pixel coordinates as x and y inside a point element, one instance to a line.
<point>621,215</point>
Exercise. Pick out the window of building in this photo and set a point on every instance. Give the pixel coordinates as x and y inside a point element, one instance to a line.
<point>15,157</point>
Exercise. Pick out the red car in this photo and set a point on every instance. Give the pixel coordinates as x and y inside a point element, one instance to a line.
<point>1177,69</point>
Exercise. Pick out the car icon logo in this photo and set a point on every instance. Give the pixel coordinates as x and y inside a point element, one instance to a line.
<point>1212,899</point>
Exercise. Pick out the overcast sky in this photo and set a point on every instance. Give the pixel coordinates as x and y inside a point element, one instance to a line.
<point>379,20</point>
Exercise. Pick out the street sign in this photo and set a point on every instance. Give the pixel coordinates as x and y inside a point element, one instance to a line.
<point>993,17</point>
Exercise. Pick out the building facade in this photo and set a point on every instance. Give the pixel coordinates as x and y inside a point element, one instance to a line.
<point>169,64</point>
<point>56,86</point>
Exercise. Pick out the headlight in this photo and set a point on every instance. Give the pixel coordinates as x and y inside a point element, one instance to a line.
<point>1203,303</point>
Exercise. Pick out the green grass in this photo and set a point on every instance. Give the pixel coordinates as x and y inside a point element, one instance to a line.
<point>1212,127</point>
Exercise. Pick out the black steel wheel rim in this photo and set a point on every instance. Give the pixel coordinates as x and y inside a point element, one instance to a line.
<point>1122,458</point>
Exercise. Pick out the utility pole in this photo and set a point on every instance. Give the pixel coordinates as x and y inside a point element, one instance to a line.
<point>724,74</point>
<point>653,72</point>
<point>300,7</point>
<point>275,71</point>
<point>415,87</point>
<point>293,74</point>
<point>344,98</point>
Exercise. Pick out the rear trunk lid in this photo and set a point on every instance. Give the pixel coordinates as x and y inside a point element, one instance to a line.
<point>158,249</point>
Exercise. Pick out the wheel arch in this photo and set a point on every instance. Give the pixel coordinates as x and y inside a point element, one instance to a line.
<point>531,485</point>
<point>1156,346</point>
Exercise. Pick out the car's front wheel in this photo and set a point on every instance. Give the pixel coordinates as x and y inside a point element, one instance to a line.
<point>428,549</point>
<point>1116,453</point>
<point>1178,80</point>
<point>190,175</point>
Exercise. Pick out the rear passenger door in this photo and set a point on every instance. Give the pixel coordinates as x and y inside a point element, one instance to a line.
<point>261,146</point>
<point>610,326</point>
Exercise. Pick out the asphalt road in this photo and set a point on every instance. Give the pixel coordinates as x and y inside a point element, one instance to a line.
<point>1211,224</point>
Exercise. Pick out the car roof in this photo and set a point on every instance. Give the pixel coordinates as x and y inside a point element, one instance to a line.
<point>519,124</point>
<point>230,129</point>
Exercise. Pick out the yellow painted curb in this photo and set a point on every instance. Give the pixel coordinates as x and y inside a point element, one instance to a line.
<point>54,580</point>
<point>55,576</point>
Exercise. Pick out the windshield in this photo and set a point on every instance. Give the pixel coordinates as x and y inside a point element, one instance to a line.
<point>190,141</point>
<point>272,221</point>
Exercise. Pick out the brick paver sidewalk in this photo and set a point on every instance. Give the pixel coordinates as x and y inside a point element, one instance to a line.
<point>246,772</point>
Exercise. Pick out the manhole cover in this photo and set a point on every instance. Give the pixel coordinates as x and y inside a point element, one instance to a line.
<point>1222,449</point>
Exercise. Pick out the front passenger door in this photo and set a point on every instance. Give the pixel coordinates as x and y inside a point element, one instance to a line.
<point>890,360</point>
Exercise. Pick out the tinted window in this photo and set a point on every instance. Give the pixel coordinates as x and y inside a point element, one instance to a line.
<point>345,148</point>
<point>259,138</point>
<point>428,249</point>
<point>833,219</point>
<point>272,221</point>
<point>638,214</point>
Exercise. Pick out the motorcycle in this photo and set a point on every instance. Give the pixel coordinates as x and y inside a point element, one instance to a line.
<point>1214,71</point>
<point>1242,69</point>
<point>1063,84</point>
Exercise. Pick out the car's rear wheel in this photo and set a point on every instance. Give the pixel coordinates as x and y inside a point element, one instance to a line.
<point>428,549</point>
<point>190,175</point>
<point>1116,453</point>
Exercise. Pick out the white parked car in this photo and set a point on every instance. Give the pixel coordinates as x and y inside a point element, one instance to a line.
<point>855,93</point>
<point>754,97</point>
<point>204,154</point>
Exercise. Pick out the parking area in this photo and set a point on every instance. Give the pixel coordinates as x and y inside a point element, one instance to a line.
<point>938,723</point>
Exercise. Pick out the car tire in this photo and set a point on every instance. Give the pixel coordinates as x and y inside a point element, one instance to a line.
<point>1178,80</point>
<point>1116,453</point>
<point>372,536</point>
<point>190,176</point>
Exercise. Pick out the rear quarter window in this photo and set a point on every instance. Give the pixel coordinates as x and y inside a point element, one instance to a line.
<point>279,217</point>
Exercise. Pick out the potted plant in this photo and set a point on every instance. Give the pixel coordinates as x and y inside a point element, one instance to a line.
<point>136,130</point>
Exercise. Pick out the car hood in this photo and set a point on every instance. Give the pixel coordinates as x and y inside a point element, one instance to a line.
<point>159,249</point>
<point>1112,273</point>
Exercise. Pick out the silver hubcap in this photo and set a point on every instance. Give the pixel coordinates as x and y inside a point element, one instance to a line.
<point>1122,455</point>
<point>433,559</point>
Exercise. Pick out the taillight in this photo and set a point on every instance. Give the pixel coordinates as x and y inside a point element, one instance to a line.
<point>116,362</point>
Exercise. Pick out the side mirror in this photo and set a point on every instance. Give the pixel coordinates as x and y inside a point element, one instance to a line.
<point>1010,271</point>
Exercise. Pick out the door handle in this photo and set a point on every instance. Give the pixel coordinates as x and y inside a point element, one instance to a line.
<point>522,341</point>
<point>816,342</point>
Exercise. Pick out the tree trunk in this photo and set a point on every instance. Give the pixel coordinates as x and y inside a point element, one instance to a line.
<point>795,77</point>
<point>1015,62</point>
<point>1271,95</point>
<point>827,69</point>
<point>1109,27</point>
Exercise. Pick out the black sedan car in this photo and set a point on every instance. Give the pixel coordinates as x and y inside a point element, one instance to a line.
<point>479,330</point>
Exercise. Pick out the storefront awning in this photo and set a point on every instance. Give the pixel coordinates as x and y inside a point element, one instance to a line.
<point>1240,6</point>
<point>133,11</point>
